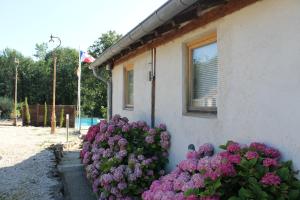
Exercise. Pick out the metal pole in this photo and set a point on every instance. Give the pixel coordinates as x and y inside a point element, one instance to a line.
<point>16,91</point>
<point>67,125</point>
<point>79,92</point>
<point>53,115</point>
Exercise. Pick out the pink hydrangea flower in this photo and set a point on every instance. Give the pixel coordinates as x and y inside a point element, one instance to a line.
<point>206,150</point>
<point>192,155</point>
<point>233,147</point>
<point>235,159</point>
<point>258,146</point>
<point>198,180</point>
<point>270,179</point>
<point>251,155</point>
<point>272,153</point>
<point>188,165</point>
<point>270,162</point>
<point>210,198</point>
<point>192,197</point>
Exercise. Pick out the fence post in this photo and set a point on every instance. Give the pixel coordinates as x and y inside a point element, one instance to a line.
<point>37,115</point>
<point>67,125</point>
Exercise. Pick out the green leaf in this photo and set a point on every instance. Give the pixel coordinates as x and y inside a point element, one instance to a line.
<point>191,192</point>
<point>252,162</point>
<point>296,184</point>
<point>245,193</point>
<point>294,194</point>
<point>233,198</point>
<point>283,173</point>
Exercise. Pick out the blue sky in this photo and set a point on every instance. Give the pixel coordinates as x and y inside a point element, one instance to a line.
<point>77,22</point>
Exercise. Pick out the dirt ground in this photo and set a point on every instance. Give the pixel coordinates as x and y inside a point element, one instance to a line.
<point>27,166</point>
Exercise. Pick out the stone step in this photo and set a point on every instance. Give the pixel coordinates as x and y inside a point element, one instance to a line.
<point>76,186</point>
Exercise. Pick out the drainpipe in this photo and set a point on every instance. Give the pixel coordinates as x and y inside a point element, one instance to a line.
<point>109,92</point>
<point>109,88</point>
<point>152,79</point>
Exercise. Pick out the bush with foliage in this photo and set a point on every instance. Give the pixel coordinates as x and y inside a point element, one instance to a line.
<point>122,159</point>
<point>62,118</point>
<point>27,112</point>
<point>239,173</point>
<point>6,106</point>
<point>45,115</point>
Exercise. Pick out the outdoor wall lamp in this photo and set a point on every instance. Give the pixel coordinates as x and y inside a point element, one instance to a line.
<point>53,115</point>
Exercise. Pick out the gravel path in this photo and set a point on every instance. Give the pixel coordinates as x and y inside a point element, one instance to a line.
<point>26,165</point>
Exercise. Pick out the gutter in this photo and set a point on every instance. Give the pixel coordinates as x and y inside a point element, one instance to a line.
<point>166,12</point>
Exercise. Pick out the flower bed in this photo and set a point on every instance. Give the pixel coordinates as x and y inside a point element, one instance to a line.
<point>238,173</point>
<point>122,159</point>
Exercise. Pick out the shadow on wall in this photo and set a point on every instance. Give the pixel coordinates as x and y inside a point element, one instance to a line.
<point>34,178</point>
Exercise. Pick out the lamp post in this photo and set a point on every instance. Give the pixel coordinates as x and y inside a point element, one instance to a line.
<point>16,91</point>
<point>53,115</point>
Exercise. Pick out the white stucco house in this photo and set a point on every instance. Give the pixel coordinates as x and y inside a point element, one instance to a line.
<point>213,71</point>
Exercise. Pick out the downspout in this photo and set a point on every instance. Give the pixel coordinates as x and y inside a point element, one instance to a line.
<point>109,88</point>
<point>109,92</point>
<point>152,78</point>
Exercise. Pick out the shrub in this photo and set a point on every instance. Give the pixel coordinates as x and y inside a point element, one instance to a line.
<point>45,115</point>
<point>27,112</point>
<point>6,106</point>
<point>122,159</point>
<point>62,118</point>
<point>238,173</point>
<point>103,111</point>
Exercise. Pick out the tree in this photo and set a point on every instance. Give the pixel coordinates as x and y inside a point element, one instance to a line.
<point>35,76</point>
<point>41,51</point>
<point>94,91</point>
<point>103,42</point>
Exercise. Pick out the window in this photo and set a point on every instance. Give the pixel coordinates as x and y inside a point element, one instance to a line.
<point>128,86</point>
<point>203,74</point>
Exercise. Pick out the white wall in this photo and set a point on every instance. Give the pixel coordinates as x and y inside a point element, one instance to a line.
<point>259,82</point>
<point>142,98</point>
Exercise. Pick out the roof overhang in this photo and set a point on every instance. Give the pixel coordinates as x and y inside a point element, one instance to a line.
<point>171,20</point>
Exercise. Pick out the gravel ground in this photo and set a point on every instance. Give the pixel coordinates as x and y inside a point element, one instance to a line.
<point>27,166</point>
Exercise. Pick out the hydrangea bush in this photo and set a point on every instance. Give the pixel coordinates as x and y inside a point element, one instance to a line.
<point>239,172</point>
<point>122,159</point>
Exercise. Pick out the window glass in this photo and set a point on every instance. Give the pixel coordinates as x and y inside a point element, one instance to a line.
<point>204,76</point>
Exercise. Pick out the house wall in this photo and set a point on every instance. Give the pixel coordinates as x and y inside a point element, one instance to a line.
<point>259,82</point>
<point>142,89</point>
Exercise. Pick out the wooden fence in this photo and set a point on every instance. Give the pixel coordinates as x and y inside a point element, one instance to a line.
<point>37,113</point>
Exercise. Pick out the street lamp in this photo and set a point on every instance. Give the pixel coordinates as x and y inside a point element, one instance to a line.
<point>17,62</point>
<point>53,116</point>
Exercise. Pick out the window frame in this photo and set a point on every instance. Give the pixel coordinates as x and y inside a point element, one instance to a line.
<point>201,42</point>
<point>126,105</point>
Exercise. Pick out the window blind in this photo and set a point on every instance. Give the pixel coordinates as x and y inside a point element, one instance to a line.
<point>204,76</point>
<point>130,87</point>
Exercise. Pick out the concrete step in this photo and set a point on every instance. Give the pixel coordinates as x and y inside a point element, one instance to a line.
<point>76,186</point>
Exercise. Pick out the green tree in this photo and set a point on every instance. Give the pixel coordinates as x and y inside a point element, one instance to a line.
<point>27,112</point>
<point>41,51</point>
<point>6,107</point>
<point>103,42</point>
<point>94,91</point>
